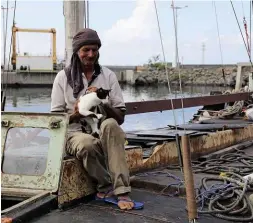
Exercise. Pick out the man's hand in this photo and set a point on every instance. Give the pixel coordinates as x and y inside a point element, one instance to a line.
<point>115,113</point>
<point>91,89</point>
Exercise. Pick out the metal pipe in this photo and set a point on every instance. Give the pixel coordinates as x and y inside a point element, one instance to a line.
<point>88,15</point>
<point>85,19</point>
<point>179,151</point>
<point>189,180</point>
<point>163,105</point>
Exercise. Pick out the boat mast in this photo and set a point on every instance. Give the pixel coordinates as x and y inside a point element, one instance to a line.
<point>74,13</point>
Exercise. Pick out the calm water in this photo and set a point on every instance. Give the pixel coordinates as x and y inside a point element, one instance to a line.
<point>38,100</point>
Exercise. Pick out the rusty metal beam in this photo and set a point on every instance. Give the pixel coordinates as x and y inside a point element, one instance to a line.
<point>162,105</point>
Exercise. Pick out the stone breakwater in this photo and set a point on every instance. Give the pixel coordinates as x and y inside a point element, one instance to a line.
<point>193,76</point>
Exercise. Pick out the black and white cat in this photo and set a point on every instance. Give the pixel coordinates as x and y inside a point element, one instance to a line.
<point>86,104</point>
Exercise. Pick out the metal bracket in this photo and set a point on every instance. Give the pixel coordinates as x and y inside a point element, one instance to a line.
<point>55,123</point>
<point>5,123</point>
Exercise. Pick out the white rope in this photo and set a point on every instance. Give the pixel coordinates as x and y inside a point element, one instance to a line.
<point>218,31</point>
<point>165,63</point>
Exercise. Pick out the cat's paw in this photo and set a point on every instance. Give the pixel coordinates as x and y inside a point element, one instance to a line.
<point>99,116</point>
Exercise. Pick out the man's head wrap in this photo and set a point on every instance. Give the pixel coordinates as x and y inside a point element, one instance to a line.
<point>74,70</point>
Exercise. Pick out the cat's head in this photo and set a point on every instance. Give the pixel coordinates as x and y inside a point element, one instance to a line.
<point>102,93</point>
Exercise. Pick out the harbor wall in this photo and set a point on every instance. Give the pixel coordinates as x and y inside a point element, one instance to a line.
<point>211,75</point>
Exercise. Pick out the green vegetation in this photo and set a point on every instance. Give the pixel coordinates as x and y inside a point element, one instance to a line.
<point>156,63</point>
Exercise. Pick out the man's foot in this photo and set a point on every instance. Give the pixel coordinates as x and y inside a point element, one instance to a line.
<point>125,202</point>
<point>102,195</point>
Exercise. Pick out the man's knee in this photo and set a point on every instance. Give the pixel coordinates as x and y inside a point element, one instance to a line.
<point>81,144</point>
<point>109,123</point>
<point>111,126</point>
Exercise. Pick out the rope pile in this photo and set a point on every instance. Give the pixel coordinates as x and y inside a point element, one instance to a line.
<point>227,199</point>
<point>234,109</point>
<point>224,195</point>
<point>230,110</point>
<point>237,162</point>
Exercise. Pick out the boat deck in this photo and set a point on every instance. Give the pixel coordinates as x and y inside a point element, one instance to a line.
<point>158,208</point>
<point>147,187</point>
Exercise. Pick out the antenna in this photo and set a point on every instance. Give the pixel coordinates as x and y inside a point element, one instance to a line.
<point>175,8</point>
<point>203,52</point>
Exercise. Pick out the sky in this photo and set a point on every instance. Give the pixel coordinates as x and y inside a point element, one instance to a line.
<point>129,30</point>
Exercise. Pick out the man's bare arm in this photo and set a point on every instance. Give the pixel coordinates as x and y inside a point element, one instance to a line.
<point>115,113</point>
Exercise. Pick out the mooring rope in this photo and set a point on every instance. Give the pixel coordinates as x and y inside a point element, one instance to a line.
<point>226,196</point>
<point>165,64</point>
<point>177,61</point>
<point>241,33</point>
<point>218,32</point>
<point>226,200</point>
<point>237,162</point>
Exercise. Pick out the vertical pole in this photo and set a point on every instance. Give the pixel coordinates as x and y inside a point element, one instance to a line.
<point>176,56</point>
<point>14,54</point>
<point>88,14</point>
<point>189,180</point>
<point>74,14</point>
<point>54,50</point>
<point>85,19</point>
<point>238,83</point>
<point>4,35</point>
<point>179,153</point>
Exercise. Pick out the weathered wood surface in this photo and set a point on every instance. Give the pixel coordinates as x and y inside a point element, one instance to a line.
<point>75,183</point>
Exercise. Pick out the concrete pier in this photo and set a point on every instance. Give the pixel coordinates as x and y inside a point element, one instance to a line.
<point>198,75</point>
<point>46,78</point>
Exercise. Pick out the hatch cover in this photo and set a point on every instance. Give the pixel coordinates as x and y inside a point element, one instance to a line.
<point>32,149</point>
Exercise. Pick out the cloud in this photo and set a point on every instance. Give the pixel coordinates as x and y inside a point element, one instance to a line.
<point>132,39</point>
<point>138,26</point>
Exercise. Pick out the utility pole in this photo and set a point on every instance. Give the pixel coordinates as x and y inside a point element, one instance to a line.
<point>86,13</point>
<point>74,13</point>
<point>5,29</point>
<point>203,53</point>
<point>175,8</point>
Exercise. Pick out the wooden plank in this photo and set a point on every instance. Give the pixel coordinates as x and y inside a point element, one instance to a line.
<point>170,133</point>
<point>211,127</point>
<point>163,105</point>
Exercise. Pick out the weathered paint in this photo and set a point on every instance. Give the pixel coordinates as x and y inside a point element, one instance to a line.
<point>20,192</point>
<point>166,153</point>
<point>75,182</point>
<point>134,158</point>
<point>57,126</point>
<point>26,202</point>
<point>67,177</point>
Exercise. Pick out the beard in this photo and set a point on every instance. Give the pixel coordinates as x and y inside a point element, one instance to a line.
<point>86,62</point>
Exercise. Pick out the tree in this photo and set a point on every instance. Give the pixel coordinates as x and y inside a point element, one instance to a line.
<point>155,62</point>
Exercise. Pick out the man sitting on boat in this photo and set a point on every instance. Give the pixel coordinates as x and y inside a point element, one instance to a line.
<point>104,157</point>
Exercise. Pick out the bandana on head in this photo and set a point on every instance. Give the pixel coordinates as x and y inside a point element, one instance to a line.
<point>74,70</point>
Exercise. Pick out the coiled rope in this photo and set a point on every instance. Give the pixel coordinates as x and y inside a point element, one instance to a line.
<point>226,200</point>
<point>226,196</point>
